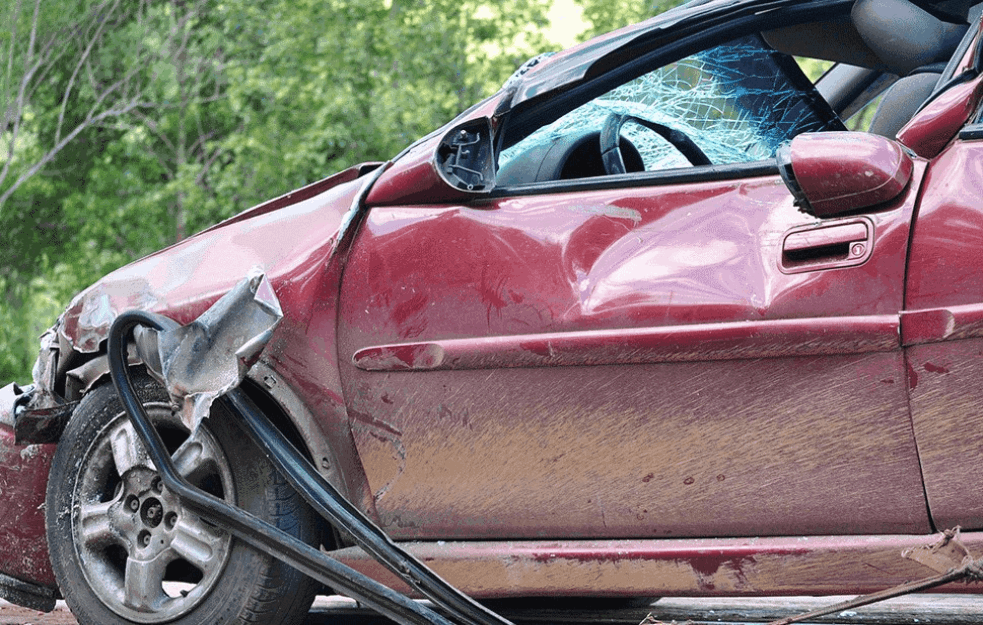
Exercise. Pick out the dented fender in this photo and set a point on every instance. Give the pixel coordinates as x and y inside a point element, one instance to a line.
<point>300,242</point>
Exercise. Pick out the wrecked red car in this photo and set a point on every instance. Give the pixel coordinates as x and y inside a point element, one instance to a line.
<point>648,321</point>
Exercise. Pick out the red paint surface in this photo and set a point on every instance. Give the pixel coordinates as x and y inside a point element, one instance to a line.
<point>696,342</point>
<point>704,391</point>
<point>299,195</point>
<point>943,329</point>
<point>845,171</point>
<point>934,127</point>
<point>947,245</point>
<point>509,446</point>
<point>414,177</point>
<point>678,567</point>
<point>297,246</point>
<point>23,479</point>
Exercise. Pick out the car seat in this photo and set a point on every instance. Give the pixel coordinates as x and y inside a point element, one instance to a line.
<point>910,42</point>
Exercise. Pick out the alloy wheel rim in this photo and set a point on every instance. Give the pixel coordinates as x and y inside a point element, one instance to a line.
<point>132,534</point>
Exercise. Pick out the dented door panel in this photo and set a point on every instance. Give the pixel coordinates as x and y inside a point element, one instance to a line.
<point>559,371</point>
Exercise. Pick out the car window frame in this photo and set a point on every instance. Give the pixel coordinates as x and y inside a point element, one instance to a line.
<point>515,124</point>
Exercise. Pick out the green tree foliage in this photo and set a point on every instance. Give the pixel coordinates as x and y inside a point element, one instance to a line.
<point>607,15</point>
<point>372,77</point>
<point>129,124</point>
<point>126,125</point>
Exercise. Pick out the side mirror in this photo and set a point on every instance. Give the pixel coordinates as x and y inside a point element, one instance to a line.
<point>452,167</point>
<point>466,157</point>
<point>837,173</point>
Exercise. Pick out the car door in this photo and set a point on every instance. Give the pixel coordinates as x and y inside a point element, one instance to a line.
<point>676,351</point>
<point>942,325</point>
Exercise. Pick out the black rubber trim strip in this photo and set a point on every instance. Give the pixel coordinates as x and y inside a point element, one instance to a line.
<point>19,592</point>
<point>683,175</point>
<point>972,132</point>
<point>331,505</point>
<point>243,525</point>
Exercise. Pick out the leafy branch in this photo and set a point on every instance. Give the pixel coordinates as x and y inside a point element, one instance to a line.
<point>81,104</point>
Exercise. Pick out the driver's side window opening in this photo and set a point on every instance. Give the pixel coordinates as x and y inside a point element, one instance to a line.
<point>738,102</point>
<point>861,116</point>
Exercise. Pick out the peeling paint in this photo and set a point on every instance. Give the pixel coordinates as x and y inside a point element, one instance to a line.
<point>714,569</point>
<point>912,377</point>
<point>607,210</point>
<point>638,345</point>
<point>670,567</point>
<point>400,357</point>
<point>390,436</point>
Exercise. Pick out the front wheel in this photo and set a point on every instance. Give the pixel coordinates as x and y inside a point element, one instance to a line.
<point>124,549</point>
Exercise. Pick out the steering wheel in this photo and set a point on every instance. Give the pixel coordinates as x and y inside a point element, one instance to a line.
<point>611,136</point>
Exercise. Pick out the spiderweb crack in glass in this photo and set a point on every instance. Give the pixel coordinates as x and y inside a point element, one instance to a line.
<point>736,101</point>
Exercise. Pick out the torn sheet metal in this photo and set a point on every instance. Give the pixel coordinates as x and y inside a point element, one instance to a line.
<point>211,355</point>
<point>30,424</point>
<point>651,620</point>
<point>45,368</point>
<point>943,556</point>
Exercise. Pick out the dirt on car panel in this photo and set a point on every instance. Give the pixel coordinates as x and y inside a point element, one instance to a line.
<point>23,475</point>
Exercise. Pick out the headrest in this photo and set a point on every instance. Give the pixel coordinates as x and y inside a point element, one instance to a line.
<point>903,35</point>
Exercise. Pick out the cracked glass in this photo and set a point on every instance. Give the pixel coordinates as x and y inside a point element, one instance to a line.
<point>738,102</point>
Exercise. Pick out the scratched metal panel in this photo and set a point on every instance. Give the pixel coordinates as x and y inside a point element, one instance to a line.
<point>945,372</point>
<point>23,475</point>
<point>800,442</point>
<point>677,567</point>
<point>947,243</point>
<point>946,382</point>
<point>689,449</point>
<point>690,343</point>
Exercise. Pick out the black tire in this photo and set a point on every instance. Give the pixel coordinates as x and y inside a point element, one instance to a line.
<point>125,551</point>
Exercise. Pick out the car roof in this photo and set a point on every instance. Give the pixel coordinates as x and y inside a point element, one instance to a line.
<point>574,65</point>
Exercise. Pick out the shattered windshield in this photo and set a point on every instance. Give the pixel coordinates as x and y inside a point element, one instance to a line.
<point>738,102</point>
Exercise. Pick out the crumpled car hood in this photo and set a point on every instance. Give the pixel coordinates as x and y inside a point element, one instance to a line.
<point>289,239</point>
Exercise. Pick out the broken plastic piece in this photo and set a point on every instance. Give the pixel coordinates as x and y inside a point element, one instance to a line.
<point>10,398</point>
<point>43,425</point>
<point>27,594</point>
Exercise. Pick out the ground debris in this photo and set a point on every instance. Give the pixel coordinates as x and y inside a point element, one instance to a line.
<point>946,554</point>
<point>651,620</point>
